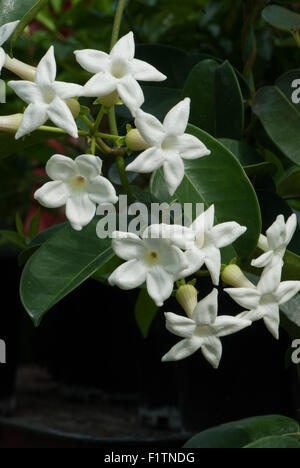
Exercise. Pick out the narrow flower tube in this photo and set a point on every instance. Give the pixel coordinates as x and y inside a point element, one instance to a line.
<point>10,123</point>
<point>21,69</point>
<point>233,276</point>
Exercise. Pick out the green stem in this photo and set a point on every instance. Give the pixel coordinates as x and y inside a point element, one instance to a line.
<point>93,146</point>
<point>99,118</point>
<point>87,121</point>
<point>117,22</point>
<point>113,122</point>
<point>107,136</point>
<point>45,128</point>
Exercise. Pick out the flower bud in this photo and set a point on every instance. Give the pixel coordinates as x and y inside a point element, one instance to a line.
<point>233,276</point>
<point>74,107</point>
<point>10,123</point>
<point>187,296</point>
<point>134,141</point>
<point>27,72</point>
<point>109,100</point>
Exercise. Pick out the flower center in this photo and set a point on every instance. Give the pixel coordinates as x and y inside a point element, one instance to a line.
<point>119,69</point>
<point>168,144</point>
<point>267,299</point>
<point>152,257</point>
<point>48,94</point>
<point>204,331</point>
<point>200,240</point>
<point>78,183</point>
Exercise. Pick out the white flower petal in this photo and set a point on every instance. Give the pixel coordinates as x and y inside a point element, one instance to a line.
<point>212,350</point>
<point>264,260</point>
<point>159,284</point>
<point>177,119</point>
<point>270,279</point>
<point>61,168</point>
<point>67,90</point>
<point>191,147</point>
<point>253,315</point>
<point>34,116</point>
<point>246,297</point>
<point>286,291</point>
<point>46,69</point>
<point>143,71</point>
<point>88,166</point>
<point>124,48</point>
<point>173,260</point>
<point>150,128</point>
<point>62,117</point>
<point>147,162</point>
<point>6,31</point>
<point>206,310</point>
<point>127,246</point>
<point>183,349</point>
<point>101,84</point>
<point>291,226</point>
<point>226,325</point>
<point>276,234</point>
<point>27,91</point>
<point>94,61</point>
<point>130,275</point>
<point>205,221</point>
<point>213,262</point>
<point>80,210</point>
<point>101,190</point>
<point>272,321</point>
<point>178,235</point>
<point>131,93</point>
<point>180,326</point>
<point>2,58</point>
<point>173,173</point>
<point>195,259</point>
<point>52,194</point>
<point>226,233</point>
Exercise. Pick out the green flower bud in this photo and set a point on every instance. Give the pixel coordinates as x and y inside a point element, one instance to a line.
<point>10,123</point>
<point>187,296</point>
<point>134,141</point>
<point>74,107</point>
<point>233,276</point>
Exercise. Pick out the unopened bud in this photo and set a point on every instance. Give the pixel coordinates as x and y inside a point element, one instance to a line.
<point>10,123</point>
<point>134,141</point>
<point>187,296</point>
<point>109,100</point>
<point>233,276</point>
<point>74,107</point>
<point>27,72</point>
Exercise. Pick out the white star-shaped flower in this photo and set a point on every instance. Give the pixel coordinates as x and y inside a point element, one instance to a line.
<point>209,239</point>
<point>202,330</point>
<point>263,301</point>
<point>78,185</point>
<point>168,143</point>
<point>5,32</point>
<point>279,235</point>
<point>118,71</point>
<point>46,99</point>
<point>158,261</point>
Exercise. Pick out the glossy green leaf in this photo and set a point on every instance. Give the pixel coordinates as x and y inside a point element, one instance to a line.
<point>241,434</point>
<point>217,179</point>
<point>281,18</point>
<point>59,266</point>
<point>230,117</point>
<point>145,312</point>
<point>27,18</point>
<point>13,10</point>
<point>217,102</point>
<point>249,158</point>
<point>289,184</point>
<point>275,443</point>
<point>279,115</point>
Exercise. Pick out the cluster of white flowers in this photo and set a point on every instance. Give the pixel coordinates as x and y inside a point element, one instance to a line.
<point>203,328</point>
<point>164,253</point>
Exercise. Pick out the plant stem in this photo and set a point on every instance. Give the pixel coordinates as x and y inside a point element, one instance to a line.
<point>93,146</point>
<point>99,118</point>
<point>106,135</point>
<point>87,121</point>
<point>45,128</point>
<point>117,22</point>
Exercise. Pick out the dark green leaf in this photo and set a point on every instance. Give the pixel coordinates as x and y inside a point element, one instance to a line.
<point>59,266</point>
<point>242,433</point>
<point>13,238</point>
<point>217,179</point>
<point>279,115</point>
<point>34,224</point>
<point>288,185</point>
<point>27,18</point>
<point>13,10</point>
<point>275,443</point>
<point>145,312</point>
<point>281,18</point>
